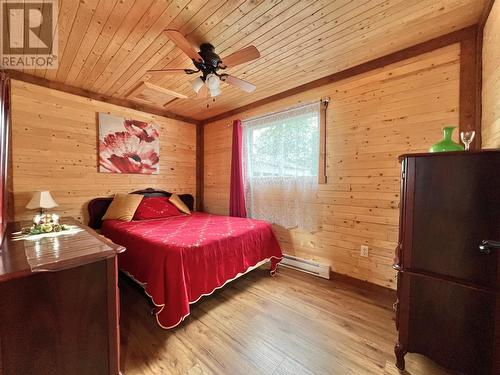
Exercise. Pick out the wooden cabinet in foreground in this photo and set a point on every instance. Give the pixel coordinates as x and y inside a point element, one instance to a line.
<point>59,303</point>
<point>448,260</point>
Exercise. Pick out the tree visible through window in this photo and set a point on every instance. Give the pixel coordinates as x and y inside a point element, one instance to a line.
<point>286,147</point>
<point>281,160</point>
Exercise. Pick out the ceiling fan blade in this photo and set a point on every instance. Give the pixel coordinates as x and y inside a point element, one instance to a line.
<point>203,92</point>
<point>244,85</point>
<point>181,42</point>
<point>239,57</point>
<point>169,71</point>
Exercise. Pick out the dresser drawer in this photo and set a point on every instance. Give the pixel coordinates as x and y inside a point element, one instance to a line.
<point>450,323</point>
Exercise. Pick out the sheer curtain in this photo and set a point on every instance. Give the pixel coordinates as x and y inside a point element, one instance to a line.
<point>280,160</point>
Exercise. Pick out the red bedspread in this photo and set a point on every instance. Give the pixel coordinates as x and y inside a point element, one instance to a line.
<point>182,258</point>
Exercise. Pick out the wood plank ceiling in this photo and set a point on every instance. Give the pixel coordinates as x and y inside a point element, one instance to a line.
<point>106,46</point>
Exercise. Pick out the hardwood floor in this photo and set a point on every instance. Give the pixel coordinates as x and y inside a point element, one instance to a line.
<point>290,324</point>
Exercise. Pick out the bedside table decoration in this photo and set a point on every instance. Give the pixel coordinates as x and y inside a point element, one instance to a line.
<point>43,222</point>
<point>43,200</point>
<point>44,228</point>
<point>467,137</point>
<point>447,143</point>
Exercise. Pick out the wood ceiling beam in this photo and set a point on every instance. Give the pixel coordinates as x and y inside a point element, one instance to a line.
<point>485,14</point>
<point>428,46</point>
<point>21,76</point>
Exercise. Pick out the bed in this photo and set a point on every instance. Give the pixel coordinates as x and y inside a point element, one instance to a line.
<point>178,260</point>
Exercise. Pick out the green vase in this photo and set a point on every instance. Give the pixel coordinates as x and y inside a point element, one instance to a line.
<point>446,144</point>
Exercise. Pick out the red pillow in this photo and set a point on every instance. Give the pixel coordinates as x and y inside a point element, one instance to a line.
<point>155,208</point>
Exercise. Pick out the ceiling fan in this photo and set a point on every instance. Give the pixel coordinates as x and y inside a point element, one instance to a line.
<point>208,63</point>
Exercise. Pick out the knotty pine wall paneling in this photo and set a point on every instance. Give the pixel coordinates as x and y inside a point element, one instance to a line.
<point>491,80</point>
<point>372,118</point>
<point>55,140</point>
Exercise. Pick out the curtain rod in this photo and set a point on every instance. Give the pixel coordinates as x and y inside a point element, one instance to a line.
<point>284,110</point>
<point>325,101</point>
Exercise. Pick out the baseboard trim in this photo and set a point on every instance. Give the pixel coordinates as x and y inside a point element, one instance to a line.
<point>362,284</point>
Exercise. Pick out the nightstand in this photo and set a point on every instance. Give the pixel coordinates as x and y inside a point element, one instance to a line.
<point>59,303</point>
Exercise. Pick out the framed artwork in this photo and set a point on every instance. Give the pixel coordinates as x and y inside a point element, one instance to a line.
<point>128,146</point>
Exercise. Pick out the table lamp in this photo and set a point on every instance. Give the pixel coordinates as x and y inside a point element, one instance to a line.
<point>43,200</point>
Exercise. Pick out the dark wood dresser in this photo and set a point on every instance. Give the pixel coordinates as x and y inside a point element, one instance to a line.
<point>448,304</point>
<point>59,303</point>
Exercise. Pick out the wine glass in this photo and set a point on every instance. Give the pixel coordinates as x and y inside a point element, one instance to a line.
<point>467,137</point>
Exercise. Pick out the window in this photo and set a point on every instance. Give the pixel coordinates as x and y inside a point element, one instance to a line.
<point>282,162</point>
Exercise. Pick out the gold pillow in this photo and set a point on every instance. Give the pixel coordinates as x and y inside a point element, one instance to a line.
<point>177,202</point>
<point>123,207</point>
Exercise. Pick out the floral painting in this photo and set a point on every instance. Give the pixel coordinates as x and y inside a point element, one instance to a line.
<point>128,146</point>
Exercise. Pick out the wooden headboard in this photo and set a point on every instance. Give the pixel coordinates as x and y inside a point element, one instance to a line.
<point>97,207</point>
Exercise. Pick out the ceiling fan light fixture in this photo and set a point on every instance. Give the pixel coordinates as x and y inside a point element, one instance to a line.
<point>196,84</point>
<point>212,81</point>
<point>208,62</point>
<point>215,92</point>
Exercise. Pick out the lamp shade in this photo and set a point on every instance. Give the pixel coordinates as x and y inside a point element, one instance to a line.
<point>196,84</point>
<point>212,82</point>
<point>215,92</point>
<point>41,199</point>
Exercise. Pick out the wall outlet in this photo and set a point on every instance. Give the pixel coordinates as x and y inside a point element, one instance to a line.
<point>363,251</point>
